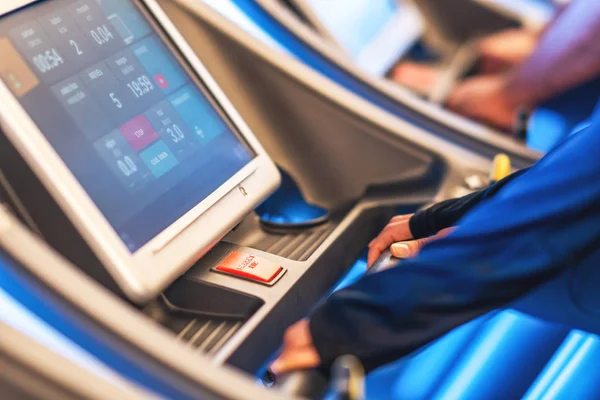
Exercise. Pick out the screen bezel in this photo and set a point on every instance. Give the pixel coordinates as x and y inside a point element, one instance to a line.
<point>143,274</point>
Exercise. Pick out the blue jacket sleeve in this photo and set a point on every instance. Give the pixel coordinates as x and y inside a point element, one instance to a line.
<point>536,226</point>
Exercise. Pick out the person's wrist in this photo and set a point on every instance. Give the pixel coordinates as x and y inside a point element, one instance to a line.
<point>512,95</point>
<point>508,94</point>
<point>514,106</point>
<point>410,227</point>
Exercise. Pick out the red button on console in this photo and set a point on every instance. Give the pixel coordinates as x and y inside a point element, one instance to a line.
<point>249,266</point>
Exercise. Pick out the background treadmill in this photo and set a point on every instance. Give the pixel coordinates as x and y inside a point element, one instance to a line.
<point>302,42</point>
<point>379,35</point>
<point>373,34</point>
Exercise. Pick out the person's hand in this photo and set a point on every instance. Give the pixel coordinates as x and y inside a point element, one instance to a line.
<point>396,236</point>
<point>485,99</point>
<point>298,352</point>
<point>397,230</point>
<point>505,50</point>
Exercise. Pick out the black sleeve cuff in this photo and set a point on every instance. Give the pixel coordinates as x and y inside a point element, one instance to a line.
<point>419,225</point>
<point>447,213</point>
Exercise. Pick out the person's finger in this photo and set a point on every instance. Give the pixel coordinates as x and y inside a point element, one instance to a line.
<point>298,350</point>
<point>454,99</point>
<point>401,218</point>
<point>396,230</point>
<point>383,242</point>
<point>295,359</point>
<point>381,245</point>
<point>390,226</point>
<point>458,100</point>
<point>506,49</point>
<point>372,256</point>
<point>298,335</point>
<point>394,222</point>
<point>411,248</point>
<point>444,232</point>
<point>491,65</point>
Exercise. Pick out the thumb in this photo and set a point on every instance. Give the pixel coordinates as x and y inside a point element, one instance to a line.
<point>411,248</point>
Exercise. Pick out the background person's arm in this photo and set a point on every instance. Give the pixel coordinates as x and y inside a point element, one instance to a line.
<point>567,55</point>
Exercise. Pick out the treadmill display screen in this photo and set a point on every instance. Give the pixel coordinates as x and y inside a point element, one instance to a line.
<point>128,118</point>
<point>375,33</point>
<point>355,23</point>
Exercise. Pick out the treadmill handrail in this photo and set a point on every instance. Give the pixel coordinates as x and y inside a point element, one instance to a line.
<point>317,24</point>
<point>63,372</point>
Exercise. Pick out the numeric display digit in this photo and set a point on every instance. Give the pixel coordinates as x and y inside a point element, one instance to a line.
<point>127,166</point>
<point>48,60</point>
<point>140,86</point>
<point>74,44</point>
<point>176,133</point>
<point>102,34</point>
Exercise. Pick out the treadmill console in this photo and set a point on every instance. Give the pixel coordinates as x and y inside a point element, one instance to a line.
<point>129,133</point>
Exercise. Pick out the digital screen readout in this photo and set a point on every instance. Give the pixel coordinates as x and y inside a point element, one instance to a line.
<point>125,115</point>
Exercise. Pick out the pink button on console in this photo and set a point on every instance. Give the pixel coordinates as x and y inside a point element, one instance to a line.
<point>139,132</point>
